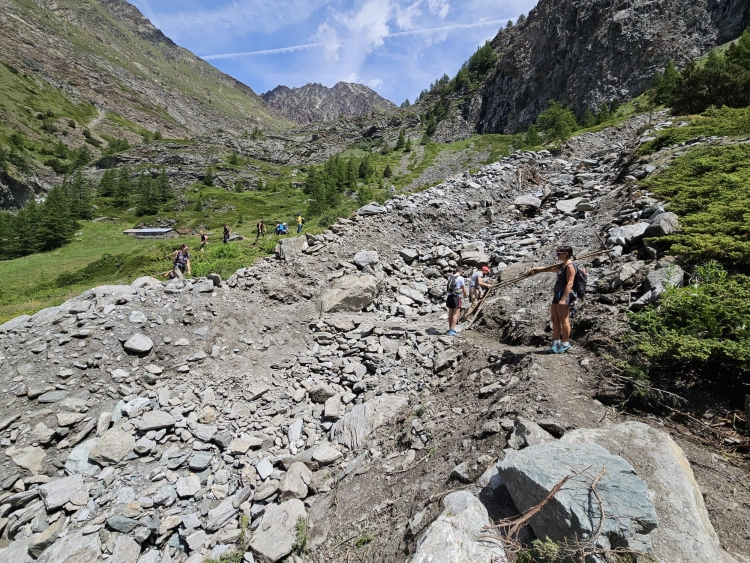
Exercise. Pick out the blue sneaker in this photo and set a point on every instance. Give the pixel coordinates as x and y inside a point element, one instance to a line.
<point>554,349</point>
<point>564,348</point>
<point>452,333</point>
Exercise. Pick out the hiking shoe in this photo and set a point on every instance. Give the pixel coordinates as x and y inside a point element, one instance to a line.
<point>554,349</point>
<point>564,348</point>
<point>452,333</point>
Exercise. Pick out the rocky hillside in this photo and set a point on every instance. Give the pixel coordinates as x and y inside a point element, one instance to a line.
<point>314,103</point>
<point>584,53</point>
<point>105,53</point>
<point>311,405</point>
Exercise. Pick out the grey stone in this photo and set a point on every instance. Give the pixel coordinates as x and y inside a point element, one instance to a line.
<point>295,482</point>
<point>408,255</point>
<point>138,344</point>
<point>454,536</point>
<point>371,209</point>
<point>126,550</point>
<point>52,396</point>
<point>366,258</point>
<point>220,515</point>
<point>662,224</point>
<point>121,524</point>
<point>628,234</point>
<point>475,258</point>
<point>685,533</point>
<point>528,433</point>
<point>275,537</point>
<point>630,517</point>
<point>264,468</point>
<point>568,205</point>
<point>356,425</point>
<point>155,420</point>
<point>200,460</point>
<point>17,551</point>
<point>350,293</point>
<point>78,459</point>
<point>74,548</point>
<point>188,485</point>
<point>112,447</point>
<point>295,430</point>
<point>204,286</point>
<point>15,323</point>
<point>325,454</point>
<point>41,541</point>
<point>528,201</point>
<point>58,492</point>
<point>29,458</point>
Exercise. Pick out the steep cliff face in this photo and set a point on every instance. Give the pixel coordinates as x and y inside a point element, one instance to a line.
<point>314,103</point>
<point>106,53</point>
<point>585,52</point>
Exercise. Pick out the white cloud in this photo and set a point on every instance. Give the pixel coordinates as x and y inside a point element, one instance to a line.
<point>439,8</point>
<point>405,15</point>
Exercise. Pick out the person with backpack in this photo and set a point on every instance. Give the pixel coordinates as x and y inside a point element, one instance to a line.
<point>456,289</point>
<point>181,262</point>
<point>570,285</point>
<point>477,284</point>
<point>227,232</point>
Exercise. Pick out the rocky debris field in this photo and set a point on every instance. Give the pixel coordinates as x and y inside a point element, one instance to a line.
<point>312,408</point>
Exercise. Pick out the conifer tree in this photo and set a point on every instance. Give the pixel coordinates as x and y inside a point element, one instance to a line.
<point>56,226</point>
<point>147,198</point>
<point>123,188</point>
<point>78,190</point>
<point>107,183</point>
<point>208,178</point>
<point>407,146</point>
<point>588,119</point>
<point>401,140</point>
<point>387,173</point>
<point>163,188</point>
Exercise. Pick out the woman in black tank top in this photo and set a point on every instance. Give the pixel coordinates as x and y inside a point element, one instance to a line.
<point>562,299</point>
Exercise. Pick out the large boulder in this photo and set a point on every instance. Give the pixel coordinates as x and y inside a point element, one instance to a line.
<point>454,536</point>
<point>475,258</point>
<point>74,548</point>
<point>138,344</point>
<point>112,447</point>
<point>350,293</point>
<point>275,537</point>
<point>662,224</point>
<point>528,201</point>
<point>371,209</point>
<point>665,275</point>
<point>568,205</point>
<point>356,425</point>
<point>291,247</point>
<point>628,234</point>
<point>685,533</point>
<point>629,514</point>
<point>366,258</point>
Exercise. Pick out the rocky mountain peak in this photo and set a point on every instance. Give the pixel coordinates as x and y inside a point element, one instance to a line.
<point>315,102</point>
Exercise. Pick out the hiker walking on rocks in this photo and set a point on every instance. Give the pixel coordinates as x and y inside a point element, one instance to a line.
<point>563,298</point>
<point>300,222</point>
<point>204,240</point>
<point>456,290</point>
<point>477,284</point>
<point>227,231</point>
<point>181,262</point>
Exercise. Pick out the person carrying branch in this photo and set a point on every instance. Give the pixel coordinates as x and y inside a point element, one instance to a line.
<point>563,298</point>
<point>477,284</point>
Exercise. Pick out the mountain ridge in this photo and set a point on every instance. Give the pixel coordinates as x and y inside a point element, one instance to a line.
<point>315,102</point>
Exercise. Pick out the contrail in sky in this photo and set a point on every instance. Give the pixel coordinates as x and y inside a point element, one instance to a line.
<point>304,47</point>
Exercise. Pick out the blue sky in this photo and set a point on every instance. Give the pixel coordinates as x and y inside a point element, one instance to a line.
<point>396,47</point>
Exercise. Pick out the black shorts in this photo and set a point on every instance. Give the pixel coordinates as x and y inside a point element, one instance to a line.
<point>453,302</point>
<point>556,299</point>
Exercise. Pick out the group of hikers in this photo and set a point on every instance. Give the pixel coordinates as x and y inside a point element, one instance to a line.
<point>181,256</point>
<point>564,295</point>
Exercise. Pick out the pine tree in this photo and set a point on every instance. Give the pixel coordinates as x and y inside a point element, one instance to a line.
<point>604,114</point>
<point>588,119</point>
<point>407,146</point>
<point>107,183</point>
<point>56,226</point>
<point>123,188</point>
<point>401,140</point>
<point>147,197</point>
<point>509,24</point>
<point>557,122</point>
<point>532,138</point>
<point>199,203</point>
<point>521,19</point>
<point>163,188</point>
<point>365,169</point>
<point>387,173</point>
<point>24,234</point>
<point>208,178</point>
<point>666,84</point>
<point>78,191</point>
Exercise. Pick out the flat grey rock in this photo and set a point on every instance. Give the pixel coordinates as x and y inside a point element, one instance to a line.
<point>356,425</point>
<point>74,548</point>
<point>275,537</point>
<point>138,344</point>
<point>454,536</point>
<point>57,493</point>
<point>371,209</point>
<point>200,460</point>
<point>121,524</point>
<point>52,396</point>
<point>350,293</point>
<point>112,447</point>
<point>366,258</point>
<point>155,420</point>
<point>630,517</point>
